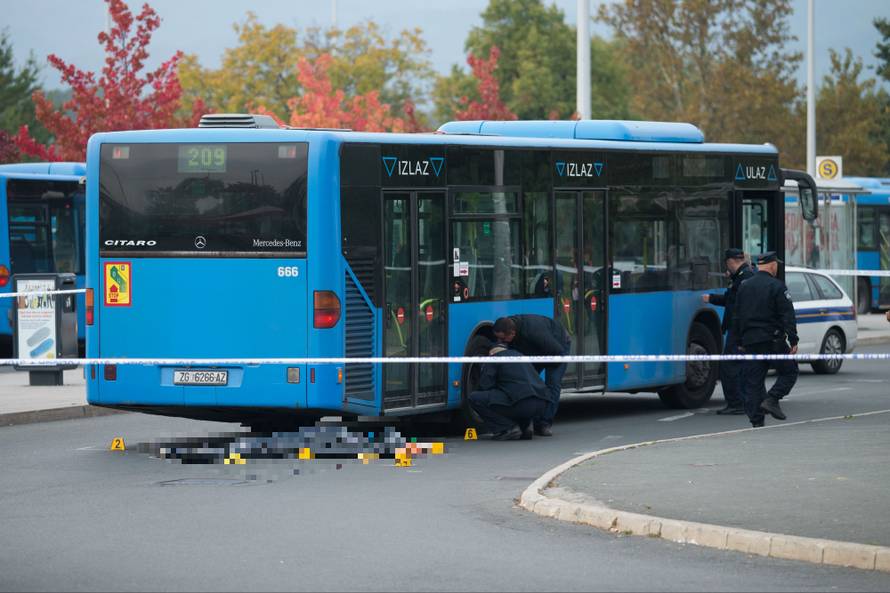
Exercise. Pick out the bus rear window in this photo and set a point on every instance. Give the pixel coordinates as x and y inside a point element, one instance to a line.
<point>212,199</point>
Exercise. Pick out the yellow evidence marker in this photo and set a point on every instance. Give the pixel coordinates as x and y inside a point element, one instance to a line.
<point>235,459</point>
<point>471,435</point>
<point>117,444</point>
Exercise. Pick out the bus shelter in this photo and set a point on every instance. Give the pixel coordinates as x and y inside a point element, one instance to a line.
<point>829,242</point>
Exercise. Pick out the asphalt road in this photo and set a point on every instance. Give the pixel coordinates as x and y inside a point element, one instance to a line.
<point>74,516</point>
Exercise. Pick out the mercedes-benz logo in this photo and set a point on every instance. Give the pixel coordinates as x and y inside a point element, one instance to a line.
<point>200,242</point>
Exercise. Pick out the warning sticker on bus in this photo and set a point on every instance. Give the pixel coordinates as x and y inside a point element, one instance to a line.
<point>117,284</point>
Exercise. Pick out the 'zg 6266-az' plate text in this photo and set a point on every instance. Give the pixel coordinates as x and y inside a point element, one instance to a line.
<point>192,377</point>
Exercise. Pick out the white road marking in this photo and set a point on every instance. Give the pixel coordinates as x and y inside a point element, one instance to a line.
<point>677,417</point>
<point>821,391</point>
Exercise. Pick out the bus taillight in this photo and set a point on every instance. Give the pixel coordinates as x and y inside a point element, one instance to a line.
<point>4,275</point>
<point>89,302</point>
<point>327,309</point>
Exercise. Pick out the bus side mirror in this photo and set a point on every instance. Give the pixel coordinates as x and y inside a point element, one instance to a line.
<point>809,202</point>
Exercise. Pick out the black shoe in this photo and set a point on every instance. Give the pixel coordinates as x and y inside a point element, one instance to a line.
<point>731,411</point>
<point>511,434</point>
<point>757,424</point>
<point>543,430</point>
<point>527,432</point>
<point>771,405</point>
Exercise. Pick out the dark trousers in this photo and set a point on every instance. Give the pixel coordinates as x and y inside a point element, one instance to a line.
<point>499,417</point>
<point>786,374</point>
<point>730,374</point>
<point>553,374</point>
<point>753,378</point>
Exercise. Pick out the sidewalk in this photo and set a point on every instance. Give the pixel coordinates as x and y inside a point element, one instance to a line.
<point>822,498</point>
<point>21,403</point>
<point>873,329</point>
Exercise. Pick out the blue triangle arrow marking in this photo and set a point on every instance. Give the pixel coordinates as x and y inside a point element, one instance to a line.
<point>598,167</point>
<point>740,173</point>
<point>772,174</point>
<point>560,168</point>
<point>437,162</point>
<point>390,163</point>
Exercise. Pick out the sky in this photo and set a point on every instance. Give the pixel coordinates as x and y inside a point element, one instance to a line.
<point>68,28</point>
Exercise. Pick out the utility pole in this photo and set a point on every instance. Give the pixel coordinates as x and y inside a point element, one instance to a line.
<point>334,14</point>
<point>583,75</point>
<point>811,87</point>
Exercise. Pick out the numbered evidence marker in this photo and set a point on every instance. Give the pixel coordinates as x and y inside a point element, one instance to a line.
<point>471,435</point>
<point>117,444</point>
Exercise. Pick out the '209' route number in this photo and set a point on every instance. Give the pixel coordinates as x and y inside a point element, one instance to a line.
<point>288,271</point>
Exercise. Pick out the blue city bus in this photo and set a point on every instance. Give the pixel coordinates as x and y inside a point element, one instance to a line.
<point>241,239</point>
<point>872,242</point>
<point>42,219</point>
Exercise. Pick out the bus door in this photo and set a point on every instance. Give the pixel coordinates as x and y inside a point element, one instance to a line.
<point>580,280</point>
<point>760,225</point>
<point>414,289</point>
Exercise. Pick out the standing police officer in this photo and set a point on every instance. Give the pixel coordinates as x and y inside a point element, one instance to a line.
<point>738,270</point>
<point>765,324</point>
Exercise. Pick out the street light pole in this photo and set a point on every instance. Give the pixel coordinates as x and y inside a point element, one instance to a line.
<point>811,87</point>
<point>583,74</point>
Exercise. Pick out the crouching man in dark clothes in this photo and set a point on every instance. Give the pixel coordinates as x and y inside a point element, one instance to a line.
<point>536,335</point>
<point>509,397</point>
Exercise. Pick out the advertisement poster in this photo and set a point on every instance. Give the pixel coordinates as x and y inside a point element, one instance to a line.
<point>37,320</point>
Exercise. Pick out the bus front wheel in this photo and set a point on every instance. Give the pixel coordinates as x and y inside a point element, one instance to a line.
<point>701,376</point>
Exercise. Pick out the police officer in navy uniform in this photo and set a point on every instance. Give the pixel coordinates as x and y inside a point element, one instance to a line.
<point>537,335</point>
<point>510,396</point>
<point>738,270</point>
<point>765,324</point>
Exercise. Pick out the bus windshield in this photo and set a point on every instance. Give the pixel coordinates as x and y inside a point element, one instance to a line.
<point>236,199</point>
<point>45,222</point>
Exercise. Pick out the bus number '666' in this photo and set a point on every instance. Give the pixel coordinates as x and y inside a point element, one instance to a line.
<point>288,271</point>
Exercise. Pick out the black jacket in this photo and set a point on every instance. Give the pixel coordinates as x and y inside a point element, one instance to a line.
<point>516,380</point>
<point>728,299</point>
<point>537,335</point>
<point>764,311</point>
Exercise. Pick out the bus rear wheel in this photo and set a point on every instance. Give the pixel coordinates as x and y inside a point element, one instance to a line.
<point>701,376</point>
<point>464,417</point>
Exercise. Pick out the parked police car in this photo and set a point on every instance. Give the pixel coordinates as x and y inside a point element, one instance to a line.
<point>826,319</point>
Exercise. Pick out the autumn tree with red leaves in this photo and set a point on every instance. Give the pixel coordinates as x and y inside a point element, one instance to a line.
<point>489,106</point>
<point>320,106</point>
<point>121,98</point>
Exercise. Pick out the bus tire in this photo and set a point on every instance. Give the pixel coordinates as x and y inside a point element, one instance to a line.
<point>464,417</point>
<point>832,343</point>
<point>863,296</point>
<point>701,377</point>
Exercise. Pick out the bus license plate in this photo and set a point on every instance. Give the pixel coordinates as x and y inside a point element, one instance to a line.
<point>200,377</point>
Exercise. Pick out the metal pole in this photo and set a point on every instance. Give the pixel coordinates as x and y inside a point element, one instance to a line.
<point>811,87</point>
<point>583,75</point>
<point>334,14</point>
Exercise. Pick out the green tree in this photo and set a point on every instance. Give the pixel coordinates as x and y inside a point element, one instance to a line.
<point>848,117</point>
<point>262,69</point>
<point>16,107</point>
<point>536,70</point>
<point>720,64</point>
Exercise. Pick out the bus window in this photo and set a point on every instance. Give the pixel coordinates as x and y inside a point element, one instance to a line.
<point>236,199</point>
<point>866,222</point>
<point>639,241</point>
<point>755,225</point>
<point>43,232</point>
<point>536,233</point>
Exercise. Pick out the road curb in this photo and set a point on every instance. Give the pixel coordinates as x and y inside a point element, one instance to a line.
<point>775,545</point>
<point>55,414</point>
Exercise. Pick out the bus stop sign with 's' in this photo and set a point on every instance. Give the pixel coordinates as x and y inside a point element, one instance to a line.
<point>829,167</point>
